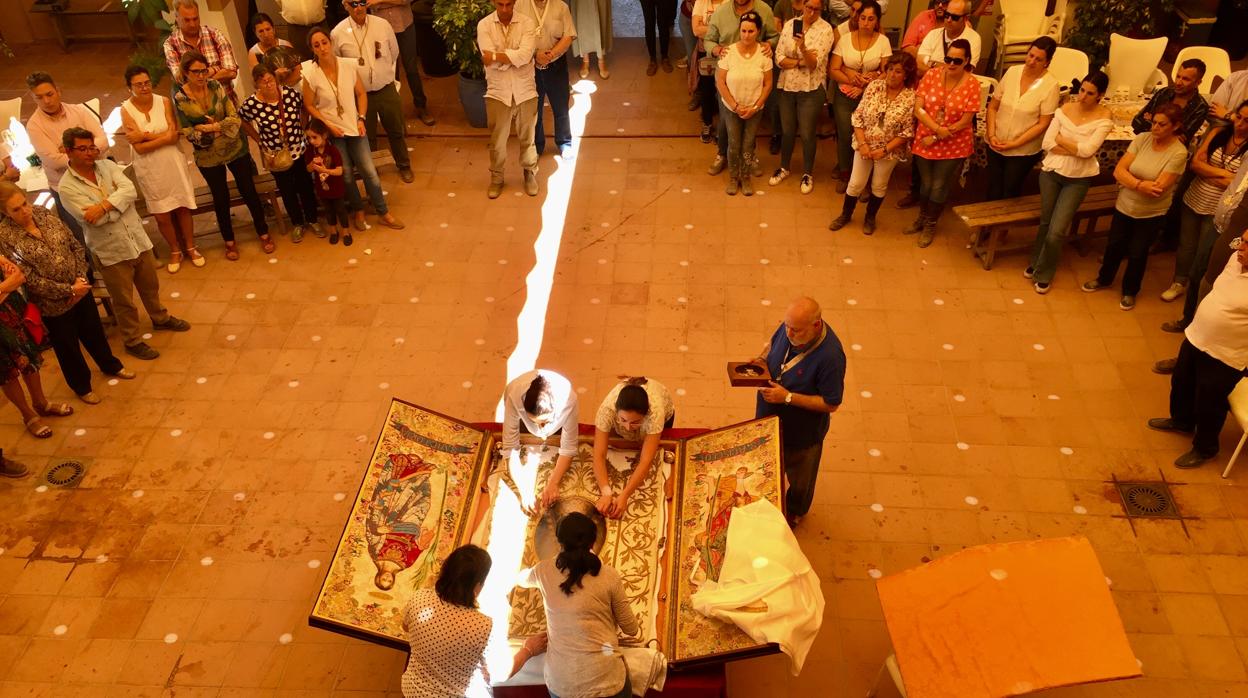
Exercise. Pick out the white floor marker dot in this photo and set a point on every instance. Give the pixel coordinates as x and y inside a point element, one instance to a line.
<point>250,296</point>
<point>80,432</point>
<point>353,260</point>
<point>175,294</point>
<point>680,391</point>
<point>682,299</point>
<point>136,494</point>
<point>615,159</point>
<point>688,226</point>
<point>511,228</point>
<point>269,435</point>
<point>332,299</point>
<point>947,347</point>
<point>429,264</point>
<point>760,192</point>
<point>240,496</point>
<point>1055,397</point>
<point>628,104</point>
<point>41,489</point>
<point>339,496</point>
<point>272,260</point>
<point>1080,509</point>
<point>764,261</point>
<point>865,393</point>
<point>588,340</point>
<point>113,381</point>
<point>1018,301</point>
<point>399,340</point>
<point>613,192</point>
<point>972,500</point>
<point>478,341</point>
<point>762,225</point>
<point>413,299</point>
<point>1038,347</point>
<point>683,347</point>
<point>765,302</point>
<point>963,446</point>
<point>444,225</point>
<point>1109,582</point>
<point>604,224</point>
<point>502,261</point>
<point>201,380</point>
<point>847,260</point>
<point>206,561</point>
<point>60,630</point>
<point>851,301</point>
<point>874,453</point>
<point>938,301</point>
<point>1066,450</point>
<point>316,338</point>
<point>684,262</point>
<point>314,563</point>
<point>877,507</point>
<point>286,638</point>
<point>98,558</point>
<point>450,194</point>
<point>998,574</point>
<point>619,130</point>
<point>874,573</point>
<point>175,433</point>
<point>856,347</point>
<point>489,299</point>
<point>581,390</point>
<point>466,384</point>
<point>171,638</point>
<point>594,301</point>
<point>147,335</point>
<point>959,398</point>
<point>383,385</point>
<point>231,337</point>
<point>602,261</point>
<point>685,190</point>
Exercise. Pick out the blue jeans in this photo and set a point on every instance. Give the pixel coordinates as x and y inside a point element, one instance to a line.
<point>357,157</point>
<point>1060,197</point>
<point>1196,231</point>
<point>1129,238</point>
<point>742,136</point>
<point>842,110</point>
<point>799,113</point>
<point>686,33</point>
<point>936,177</point>
<point>552,84</point>
<point>1198,285</point>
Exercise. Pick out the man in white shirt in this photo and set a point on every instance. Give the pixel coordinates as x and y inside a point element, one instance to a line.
<point>1229,95</point>
<point>507,40</point>
<point>555,34</point>
<point>403,21</point>
<point>932,50</point>
<point>300,17</point>
<point>542,403</point>
<point>45,128</point>
<point>369,45</point>
<point>1211,362</point>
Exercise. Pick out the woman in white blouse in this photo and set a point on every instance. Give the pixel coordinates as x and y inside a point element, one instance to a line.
<point>1071,143</point>
<point>744,81</point>
<point>333,93</point>
<point>802,56</point>
<point>857,60</point>
<point>1018,115</point>
<point>637,409</point>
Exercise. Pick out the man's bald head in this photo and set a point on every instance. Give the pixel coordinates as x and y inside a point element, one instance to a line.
<point>803,320</point>
<point>959,9</point>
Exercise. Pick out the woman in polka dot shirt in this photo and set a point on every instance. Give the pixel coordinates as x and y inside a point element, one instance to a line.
<point>945,104</point>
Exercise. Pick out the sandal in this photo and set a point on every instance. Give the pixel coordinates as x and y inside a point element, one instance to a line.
<point>231,251</point>
<point>37,428</point>
<point>175,262</point>
<point>267,244</point>
<point>196,258</point>
<point>54,409</point>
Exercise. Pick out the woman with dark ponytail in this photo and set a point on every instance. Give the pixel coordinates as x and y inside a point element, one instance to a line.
<point>636,409</point>
<point>585,611</point>
<point>541,403</point>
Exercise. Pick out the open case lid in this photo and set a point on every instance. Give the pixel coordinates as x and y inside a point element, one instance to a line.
<point>413,508</point>
<point>719,471</point>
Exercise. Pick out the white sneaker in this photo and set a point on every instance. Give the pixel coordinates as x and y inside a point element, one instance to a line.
<point>808,184</point>
<point>1174,292</point>
<point>779,176</point>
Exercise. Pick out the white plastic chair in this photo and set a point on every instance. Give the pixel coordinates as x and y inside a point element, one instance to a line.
<point>894,672</point>
<point>1217,64</point>
<point>1132,62</point>
<point>987,88</point>
<point>1068,64</point>
<point>1022,21</point>
<point>1239,410</point>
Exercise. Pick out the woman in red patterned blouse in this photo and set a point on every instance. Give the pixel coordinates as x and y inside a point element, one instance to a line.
<point>946,103</point>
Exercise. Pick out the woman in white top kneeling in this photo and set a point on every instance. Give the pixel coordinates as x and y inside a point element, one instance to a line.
<point>585,611</point>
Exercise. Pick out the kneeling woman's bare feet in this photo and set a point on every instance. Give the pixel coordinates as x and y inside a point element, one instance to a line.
<point>390,221</point>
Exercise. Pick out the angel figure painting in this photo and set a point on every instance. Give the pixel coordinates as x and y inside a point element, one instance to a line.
<point>397,527</point>
<point>727,492</point>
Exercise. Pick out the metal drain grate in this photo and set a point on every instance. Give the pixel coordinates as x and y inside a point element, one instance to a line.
<point>1148,500</point>
<point>67,474</point>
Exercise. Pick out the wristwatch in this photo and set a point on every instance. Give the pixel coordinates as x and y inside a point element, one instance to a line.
<point>788,398</point>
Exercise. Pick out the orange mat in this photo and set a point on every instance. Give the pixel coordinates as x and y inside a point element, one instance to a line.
<point>1005,620</point>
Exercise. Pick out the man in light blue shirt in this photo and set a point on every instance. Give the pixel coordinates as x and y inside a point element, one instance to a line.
<point>97,193</point>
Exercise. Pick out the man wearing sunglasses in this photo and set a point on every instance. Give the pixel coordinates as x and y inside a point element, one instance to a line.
<point>368,44</point>
<point>923,25</point>
<point>45,127</point>
<point>1212,361</point>
<point>932,50</point>
<point>100,195</point>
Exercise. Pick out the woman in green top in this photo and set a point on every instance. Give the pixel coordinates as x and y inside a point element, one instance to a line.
<point>1147,175</point>
<point>209,120</point>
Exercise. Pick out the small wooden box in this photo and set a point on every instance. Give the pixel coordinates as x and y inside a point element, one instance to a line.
<point>743,374</point>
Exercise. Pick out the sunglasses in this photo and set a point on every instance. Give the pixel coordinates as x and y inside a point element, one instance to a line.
<point>954,17</point>
<point>950,60</point>
<point>357,3</point>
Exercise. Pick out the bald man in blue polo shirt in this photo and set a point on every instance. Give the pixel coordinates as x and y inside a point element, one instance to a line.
<point>807,365</point>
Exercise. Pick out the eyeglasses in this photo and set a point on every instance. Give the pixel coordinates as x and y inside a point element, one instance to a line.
<point>139,85</point>
<point>954,17</point>
<point>198,71</point>
<point>950,60</point>
<point>86,148</point>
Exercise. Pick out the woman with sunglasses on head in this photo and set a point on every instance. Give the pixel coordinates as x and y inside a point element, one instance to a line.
<point>160,167</point>
<point>1146,175</point>
<point>209,120</point>
<point>857,59</point>
<point>333,93</point>
<point>1071,143</point>
<point>1018,115</point>
<point>743,77</point>
<point>944,106</point>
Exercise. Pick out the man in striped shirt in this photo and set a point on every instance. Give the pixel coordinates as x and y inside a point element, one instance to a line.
<point>215,47</point>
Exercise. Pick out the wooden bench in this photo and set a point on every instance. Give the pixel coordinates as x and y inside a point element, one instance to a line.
<point>62,16</point>
<point>989,221</point>
<point>266,187</point>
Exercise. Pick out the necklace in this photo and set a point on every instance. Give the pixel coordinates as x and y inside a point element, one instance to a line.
<point>862,52</point>
<point>333,85</point>
<point>540,17</point>
<point>359,42</point>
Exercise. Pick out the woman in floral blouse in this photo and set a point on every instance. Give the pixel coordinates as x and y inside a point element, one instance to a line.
<point>210,122</point>
<point>883,126</point>
<point>946,103</point>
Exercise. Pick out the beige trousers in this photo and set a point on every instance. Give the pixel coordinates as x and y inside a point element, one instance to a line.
<point>500,118</point>
<point>121,279</point>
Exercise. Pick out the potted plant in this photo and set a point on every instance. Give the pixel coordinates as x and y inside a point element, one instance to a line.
<point>1095,20</point>
<point>151,55</point>
<point>456,21</point>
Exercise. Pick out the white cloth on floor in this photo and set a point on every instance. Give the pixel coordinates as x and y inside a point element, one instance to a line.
<point>766,585</point>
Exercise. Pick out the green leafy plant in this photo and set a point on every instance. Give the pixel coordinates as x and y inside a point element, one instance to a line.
<point>155,14</point>
<point>1095,20</point>
<point>456,21</point>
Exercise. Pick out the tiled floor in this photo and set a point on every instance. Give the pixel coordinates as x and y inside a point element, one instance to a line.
<point>186,562</point>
